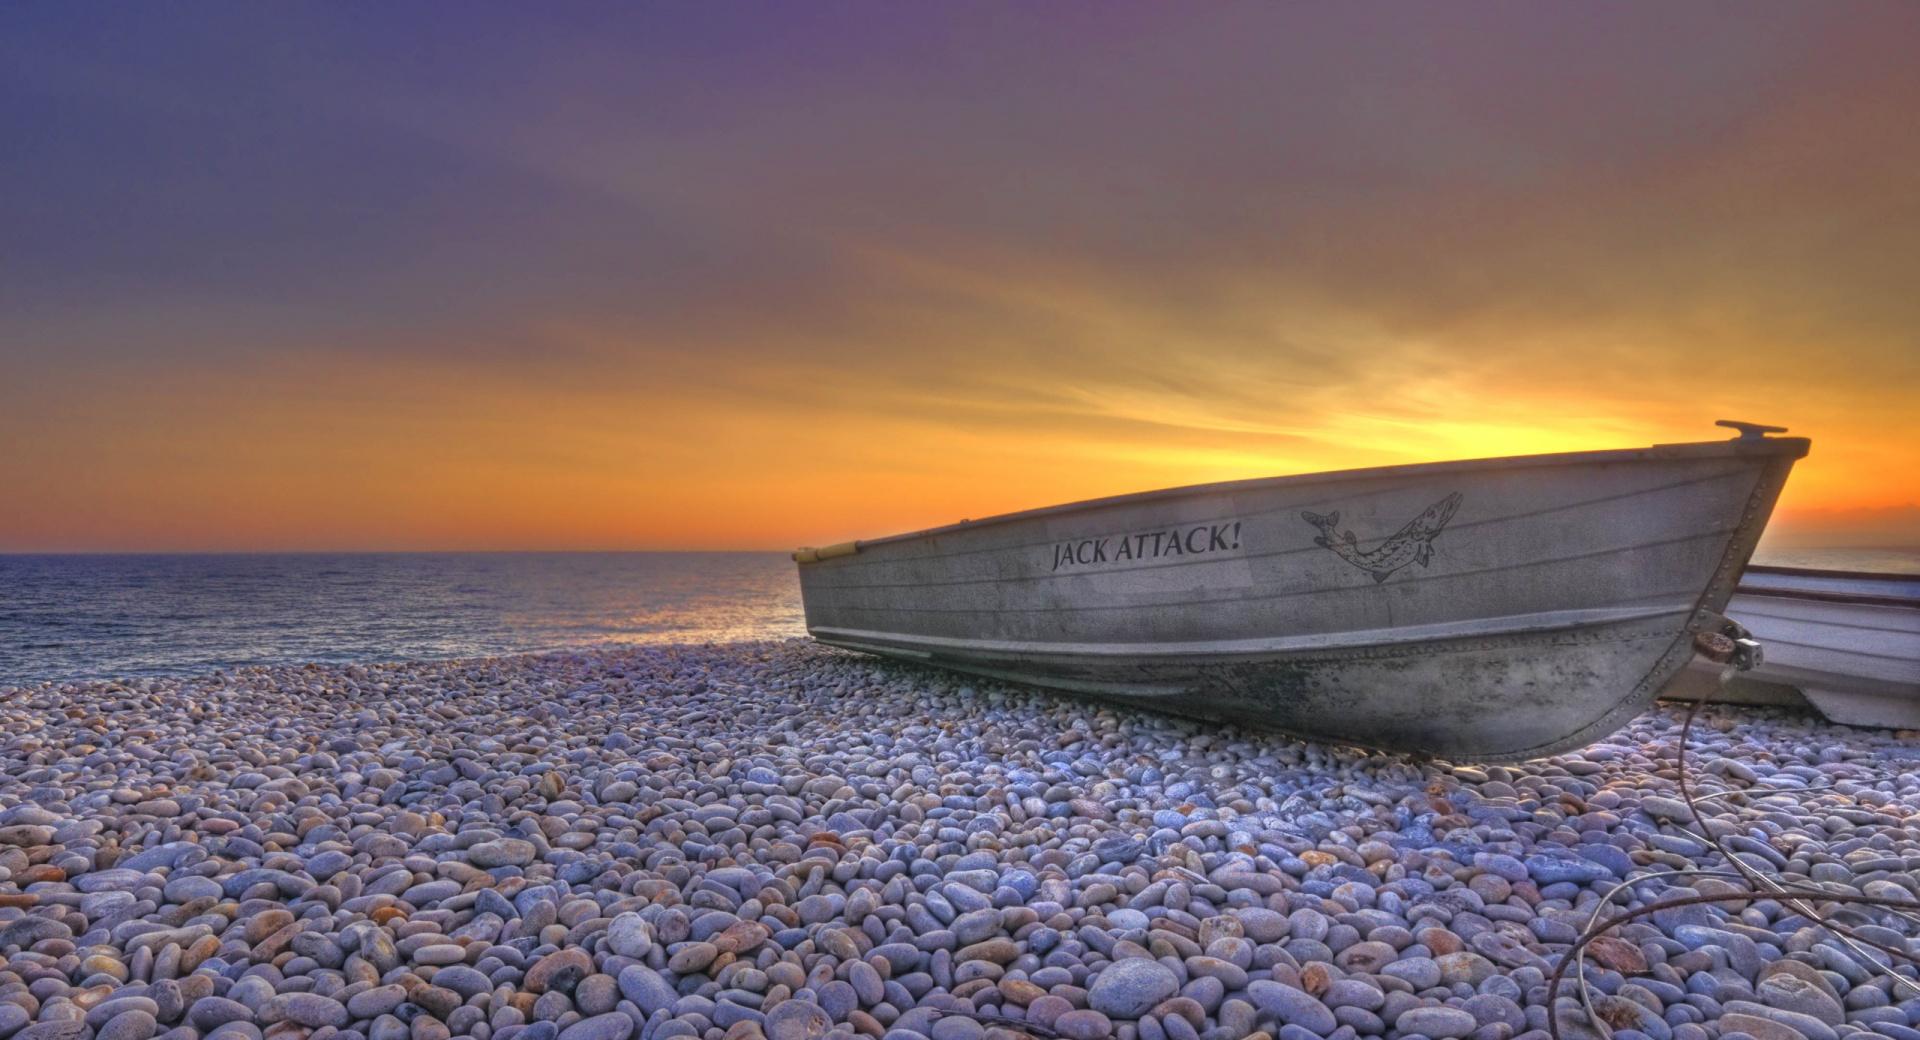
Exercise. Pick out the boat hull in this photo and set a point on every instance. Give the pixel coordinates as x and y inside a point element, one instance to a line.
<point>1849,643</point>
<point>1480,610</point>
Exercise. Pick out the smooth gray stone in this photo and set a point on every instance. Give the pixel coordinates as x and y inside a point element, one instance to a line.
<point>1292,1006</point>
<point>1129,988</point>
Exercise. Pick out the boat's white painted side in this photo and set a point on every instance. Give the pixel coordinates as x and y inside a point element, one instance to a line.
<point>1849,644</point>
<point>1490,609</point>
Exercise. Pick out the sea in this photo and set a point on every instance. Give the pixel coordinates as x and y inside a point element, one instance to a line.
<point>112,616</point>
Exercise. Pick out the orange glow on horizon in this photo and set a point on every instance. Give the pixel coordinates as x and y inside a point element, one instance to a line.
<point>313,456</point>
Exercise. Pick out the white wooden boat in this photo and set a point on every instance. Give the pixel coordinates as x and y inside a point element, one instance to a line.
<point>1492,609</point>
<point>1848,642</point>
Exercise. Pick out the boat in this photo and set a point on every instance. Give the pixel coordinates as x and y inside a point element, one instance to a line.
<point>1847,643</point>
<point>1487,610</point>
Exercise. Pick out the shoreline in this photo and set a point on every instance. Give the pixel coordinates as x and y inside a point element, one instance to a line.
<point>605,648</point>
<point>769,838</point>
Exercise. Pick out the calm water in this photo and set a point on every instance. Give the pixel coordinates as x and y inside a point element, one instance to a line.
<point>68,617</point>
<point>1883,561</point>
<point>73,617</point>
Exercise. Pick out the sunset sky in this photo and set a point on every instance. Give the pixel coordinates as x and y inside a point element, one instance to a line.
<point>688,276</point>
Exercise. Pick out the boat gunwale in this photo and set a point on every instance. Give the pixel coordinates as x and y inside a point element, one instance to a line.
<point>1795,447</point>
<point>1850,624</point>
<point>1854,599</point>
<point>1859,599</point>
<point>1822,572</point>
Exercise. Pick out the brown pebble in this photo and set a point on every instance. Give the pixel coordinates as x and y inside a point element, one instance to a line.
<point>1021,992</point>
<point>1617,954</point>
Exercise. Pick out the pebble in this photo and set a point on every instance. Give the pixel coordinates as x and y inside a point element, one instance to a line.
<point>1292,1006</point>
<point>372,1003</point>
<point>630,935</point>
<point>440,954</point>
<point>136,1024</point>
<point>559,970</point>
<point>1083,1024</point>
<point>308,1009</point>
<point>1437,1021</point>
<point>1790,993</point>
<point>609,1026</point>
<point>502,852</point>
<point>1131,987</point>
<point>1735,1024</point>
<point>797,1020</point>
<point>692,957</point>
<point>210,1013</point>
<point>646,988</point>
<point>771,840</point>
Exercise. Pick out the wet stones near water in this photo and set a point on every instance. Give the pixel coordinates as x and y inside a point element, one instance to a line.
<point>776,841</point>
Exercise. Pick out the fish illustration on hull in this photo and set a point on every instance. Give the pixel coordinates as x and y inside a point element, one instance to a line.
<point>1411,544</point>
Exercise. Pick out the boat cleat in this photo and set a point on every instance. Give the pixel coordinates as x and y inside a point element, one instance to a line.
<point>1724,641</point>
<point>1749,431</point>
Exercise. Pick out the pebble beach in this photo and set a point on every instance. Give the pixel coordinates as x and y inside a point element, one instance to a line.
<point>778,840</point>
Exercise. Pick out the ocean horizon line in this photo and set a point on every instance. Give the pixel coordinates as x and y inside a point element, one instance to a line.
<point>44,553</point>
<point>9,553</point>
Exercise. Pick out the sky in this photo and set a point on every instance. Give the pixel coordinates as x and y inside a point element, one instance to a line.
<point>475,276</point>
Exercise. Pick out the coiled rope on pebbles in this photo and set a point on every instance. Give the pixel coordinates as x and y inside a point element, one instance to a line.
<point>1758,885</point>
